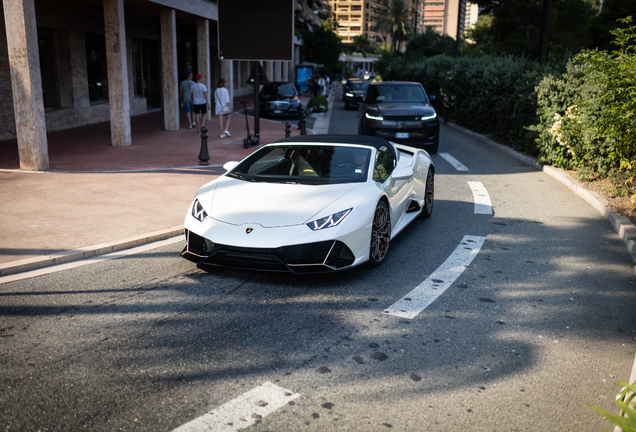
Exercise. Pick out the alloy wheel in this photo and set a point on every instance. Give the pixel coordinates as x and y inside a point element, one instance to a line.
<point>380,234</point>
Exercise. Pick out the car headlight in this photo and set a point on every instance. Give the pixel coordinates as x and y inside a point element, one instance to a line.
<point>349,94</point>
<point>197,211</point>
<point>370,117</point>
<point>430,117</point>
<point>329,221</point>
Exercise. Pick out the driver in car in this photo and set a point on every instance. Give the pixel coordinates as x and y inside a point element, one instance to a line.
<point>360,160</point>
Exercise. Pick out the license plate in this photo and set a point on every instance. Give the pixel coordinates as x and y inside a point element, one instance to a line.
<point>402,135</point>
<point>278,111</point>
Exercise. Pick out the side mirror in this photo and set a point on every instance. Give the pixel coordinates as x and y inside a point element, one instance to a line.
<point>431,98</point>
<point>402,173</point>
<point>229,166</point>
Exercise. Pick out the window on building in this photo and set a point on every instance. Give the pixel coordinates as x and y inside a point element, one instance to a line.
<point>48,68</point>
<point>355,28</point>
<point>96,67</point>
<point>146,56</point>
<point>356,7</point>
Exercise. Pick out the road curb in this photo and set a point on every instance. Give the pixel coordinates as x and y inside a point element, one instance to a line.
<point>621,224</point>
<point>321,126</point>
<point>37,263</point>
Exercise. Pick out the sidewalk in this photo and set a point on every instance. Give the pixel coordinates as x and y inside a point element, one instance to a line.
<point>97,198</point>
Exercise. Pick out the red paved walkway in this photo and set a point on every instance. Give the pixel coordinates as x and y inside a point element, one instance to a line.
<point>87,148</point>
<point>85,199</point>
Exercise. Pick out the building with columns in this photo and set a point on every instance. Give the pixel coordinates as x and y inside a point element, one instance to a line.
<point>69,63</point>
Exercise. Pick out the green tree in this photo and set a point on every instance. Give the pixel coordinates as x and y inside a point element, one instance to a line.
<point>516,27</point>
<point>603,23</point>
<point>430,43</point>
<point>364,46</point>
<point>321,46</point>
<point>479,37</point>
<point>615,75</point>
<point>396,20</point>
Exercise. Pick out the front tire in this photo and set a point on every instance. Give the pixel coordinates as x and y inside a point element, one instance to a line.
<point>380,235</point>
<point>429,195</point>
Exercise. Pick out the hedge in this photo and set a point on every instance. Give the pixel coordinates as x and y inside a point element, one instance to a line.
<point>575,114</point>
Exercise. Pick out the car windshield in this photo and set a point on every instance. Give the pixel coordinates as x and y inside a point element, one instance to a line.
<point>286,90</point>
<point>391,93</point>
<point>358,86</point>
<point>305,164</point>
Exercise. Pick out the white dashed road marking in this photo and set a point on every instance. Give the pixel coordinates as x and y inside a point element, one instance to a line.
<point>481,197</point>
<point>243,411</point>
<point>454,162</point>
<point>425,293</point>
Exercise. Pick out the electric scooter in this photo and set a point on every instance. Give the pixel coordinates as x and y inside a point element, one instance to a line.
<point>249,141</point>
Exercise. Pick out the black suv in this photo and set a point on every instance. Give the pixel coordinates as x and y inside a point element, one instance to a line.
<point>353,92</point>
<point>400,112</point>
<point>279,99</point>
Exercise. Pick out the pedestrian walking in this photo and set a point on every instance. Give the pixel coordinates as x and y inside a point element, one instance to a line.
<point>186,99</point>
<point>321,85</point>
<point>199,95</point>
<point>222,108</point>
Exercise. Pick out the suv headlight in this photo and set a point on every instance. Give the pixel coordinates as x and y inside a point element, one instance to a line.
<point>430,117</point>
<point>349,94</point>
<point>197,211</point>
<point>370,117</point>
<point>329,221</point>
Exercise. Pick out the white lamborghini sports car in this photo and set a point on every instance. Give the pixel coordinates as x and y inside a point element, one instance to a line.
<point>306,204</point>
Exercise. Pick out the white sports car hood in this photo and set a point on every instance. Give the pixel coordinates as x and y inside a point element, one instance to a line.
<point>271,205</point>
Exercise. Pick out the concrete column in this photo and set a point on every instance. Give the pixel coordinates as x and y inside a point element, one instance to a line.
<point>26,83</point>
<point>203,59</point>
<point>169,69</point>
<point>79,74</point>
<point>227,73</point>
<point>117,73</point>
<point>286,66</point>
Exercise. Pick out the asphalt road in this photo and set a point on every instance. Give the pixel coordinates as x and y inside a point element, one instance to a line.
<point>539,324</point>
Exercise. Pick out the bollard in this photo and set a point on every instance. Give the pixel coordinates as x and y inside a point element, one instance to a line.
<point>204,156</point>
<point>287,129</point>
<point>301,121</point>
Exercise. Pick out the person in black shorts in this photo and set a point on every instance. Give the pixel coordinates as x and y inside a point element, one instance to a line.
<point>199,93</point>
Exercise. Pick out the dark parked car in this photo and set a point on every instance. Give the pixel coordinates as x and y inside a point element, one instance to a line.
<point>400,112</point>
<point>353,92</point>
<point>279,99</point>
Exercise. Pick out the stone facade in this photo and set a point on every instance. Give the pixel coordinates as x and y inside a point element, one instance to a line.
<point>87,67</point>
<point>75,109</point>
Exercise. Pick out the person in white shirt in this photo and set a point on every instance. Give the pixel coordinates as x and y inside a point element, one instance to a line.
<point>199,95</point>
<point>222,108</point>
<point>321,84</point>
